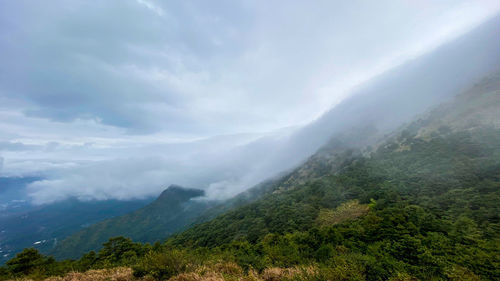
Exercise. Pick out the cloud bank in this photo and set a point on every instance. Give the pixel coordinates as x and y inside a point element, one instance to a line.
<point>118,99</point>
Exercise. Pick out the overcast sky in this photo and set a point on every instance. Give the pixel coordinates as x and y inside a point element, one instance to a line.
<point>118,99</point>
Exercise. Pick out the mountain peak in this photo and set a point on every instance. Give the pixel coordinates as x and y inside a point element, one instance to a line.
<point>179,193</point>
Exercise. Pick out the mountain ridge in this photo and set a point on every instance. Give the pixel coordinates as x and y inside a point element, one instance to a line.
<point>330,160</point>
<point>169,212</point>
<point>367,116</point>
<point>421,204</point>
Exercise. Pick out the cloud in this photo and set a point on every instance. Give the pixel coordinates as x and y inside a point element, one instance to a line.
<point>159,11</point>
<point>223,165</point>
<point>189,69</point>
<point>120,179</point>
<point>16,146</point>
<point>145,93</point>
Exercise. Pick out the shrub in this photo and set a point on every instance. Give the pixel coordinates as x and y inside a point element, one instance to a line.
<point>162,265</point>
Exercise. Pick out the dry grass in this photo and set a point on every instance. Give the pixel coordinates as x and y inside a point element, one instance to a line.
<point>295,273</point>
<point>346,211</point>
<point>193,276</point>
<point>231,271</point>
<point>222,271</point>
<point>114,274</point>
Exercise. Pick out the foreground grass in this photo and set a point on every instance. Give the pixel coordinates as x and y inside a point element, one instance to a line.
<point>215,272</point>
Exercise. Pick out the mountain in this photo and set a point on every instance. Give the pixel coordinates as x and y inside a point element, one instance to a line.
<point>424,201</point>
<point>13,197</point>
<point>420,203</point>
<point>423,151</point>
<point>374,110</point>
<point>23,224</point>
<point>43,226</point>
<point>401,182</point>
<point>388,100</point>
<point>173,210</point>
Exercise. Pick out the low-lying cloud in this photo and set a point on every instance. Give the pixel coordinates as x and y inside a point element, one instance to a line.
<point>119,99</point>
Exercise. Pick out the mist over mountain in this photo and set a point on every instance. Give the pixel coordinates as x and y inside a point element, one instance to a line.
<point>374,109</point>
<point>250,140</point>
<point>102,110</point>
<point>369,117</point>
<point>385,102</point>
<point>420,202</point>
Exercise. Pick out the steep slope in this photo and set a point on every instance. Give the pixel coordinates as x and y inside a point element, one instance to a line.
<point>374,110</point>
<point>420,204</point>
<point>447,161</point>
<point>387,101</point>
<point>478,105</point>
<point>170,212</point>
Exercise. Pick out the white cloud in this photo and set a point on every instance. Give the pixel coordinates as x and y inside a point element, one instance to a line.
<point>182,85</point>
<point>156,9</point>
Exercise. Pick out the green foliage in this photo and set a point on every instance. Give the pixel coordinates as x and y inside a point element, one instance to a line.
<point>119,251</point>
<point>31,263</point>
<point>426,212</point>
<point>162,265</point>
<point>170,212</point>
<point>27,262</point>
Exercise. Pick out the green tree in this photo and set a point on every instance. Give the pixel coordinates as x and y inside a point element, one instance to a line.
<point>27,262</point>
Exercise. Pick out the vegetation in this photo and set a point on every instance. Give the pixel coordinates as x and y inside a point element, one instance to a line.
<point>427,212</point>
<point>422,205</point>
<point>171,211</point>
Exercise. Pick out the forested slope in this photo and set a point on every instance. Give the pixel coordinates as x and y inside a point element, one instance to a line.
<point>172,210</point>
<point>419,204</point>
<point>432,189</point>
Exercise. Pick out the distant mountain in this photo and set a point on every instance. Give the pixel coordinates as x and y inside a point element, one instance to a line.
<point>23,224</point>
<point>173,210</point>
<point>13,195</point>
<point>43,226</point>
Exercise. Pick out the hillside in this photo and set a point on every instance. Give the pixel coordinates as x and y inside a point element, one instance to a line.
<point>250,141</point>
<point>432,179</point>
<point>171,211</point>
<point>42,227</point>
<point>469,116</point>
<point>421,204</point>
<point>448,146</point>
<point>373,111</point>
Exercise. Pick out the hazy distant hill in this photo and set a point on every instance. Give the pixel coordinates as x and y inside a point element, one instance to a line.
<point>44,226</point>
<point>13,197</point>
<point>170,212</point>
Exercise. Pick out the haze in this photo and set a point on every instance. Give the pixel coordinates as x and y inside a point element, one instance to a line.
<point>119,99</point>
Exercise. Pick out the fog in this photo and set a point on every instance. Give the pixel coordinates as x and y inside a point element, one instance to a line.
<point>119,99</point>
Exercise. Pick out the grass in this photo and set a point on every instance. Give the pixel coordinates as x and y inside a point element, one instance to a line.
<point>346,211</point>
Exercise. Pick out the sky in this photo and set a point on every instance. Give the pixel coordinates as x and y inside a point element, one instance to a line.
<point>118,99</point>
